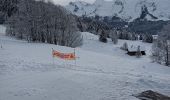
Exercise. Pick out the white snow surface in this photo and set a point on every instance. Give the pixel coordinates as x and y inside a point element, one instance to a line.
<point>102,71</point>
<point>125,9</point>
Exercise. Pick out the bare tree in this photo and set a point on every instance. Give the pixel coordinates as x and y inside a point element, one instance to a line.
<point>44,22</point>
<point>114,36</point>
<point>138,53</point>
<point>8,8</point>
<point>161,47</point>
<point>125,46</point>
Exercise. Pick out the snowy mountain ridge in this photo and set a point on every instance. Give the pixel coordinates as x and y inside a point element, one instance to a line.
<point>125,9</point>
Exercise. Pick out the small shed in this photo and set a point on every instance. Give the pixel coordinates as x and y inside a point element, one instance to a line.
<point>134,49</point>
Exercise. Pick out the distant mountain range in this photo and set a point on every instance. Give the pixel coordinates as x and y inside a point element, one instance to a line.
<point>128,10</point>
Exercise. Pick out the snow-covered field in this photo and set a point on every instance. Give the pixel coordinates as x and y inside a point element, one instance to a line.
<point>102,71</point>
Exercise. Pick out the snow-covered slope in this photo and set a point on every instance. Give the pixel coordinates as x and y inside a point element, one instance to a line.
<point>102,72</point>
<point>125,9</point>
<point>2,30</point>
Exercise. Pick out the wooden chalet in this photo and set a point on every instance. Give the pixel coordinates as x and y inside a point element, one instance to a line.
<point>134,49</point>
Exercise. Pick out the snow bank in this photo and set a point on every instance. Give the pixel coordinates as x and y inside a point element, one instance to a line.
<point>2,30</point>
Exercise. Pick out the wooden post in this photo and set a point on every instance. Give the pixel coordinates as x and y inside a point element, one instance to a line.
<point>75,57</point>
<point>168,52</point>
<point>53,56</point>
<point>1,43</point>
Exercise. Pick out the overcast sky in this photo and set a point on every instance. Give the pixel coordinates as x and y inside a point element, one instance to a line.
<point>65,2</point>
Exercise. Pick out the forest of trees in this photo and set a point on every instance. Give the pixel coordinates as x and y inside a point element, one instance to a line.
<point>7,9</point>
<point>161,47</point>
<point>99,26</point>
<point>41,21</point>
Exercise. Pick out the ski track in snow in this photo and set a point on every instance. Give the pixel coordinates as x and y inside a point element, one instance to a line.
<point>103,72</point>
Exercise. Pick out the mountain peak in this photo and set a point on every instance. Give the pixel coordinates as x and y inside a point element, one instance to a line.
<point>125,9</point>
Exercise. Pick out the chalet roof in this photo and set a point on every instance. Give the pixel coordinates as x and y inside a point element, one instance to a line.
<point>155,36</point>
<point>134,48</point>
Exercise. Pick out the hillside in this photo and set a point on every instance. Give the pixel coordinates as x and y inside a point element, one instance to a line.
<point>125,9</point>
<point>102,71</point>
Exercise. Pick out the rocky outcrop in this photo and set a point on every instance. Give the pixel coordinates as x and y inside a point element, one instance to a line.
<point>151,95</point>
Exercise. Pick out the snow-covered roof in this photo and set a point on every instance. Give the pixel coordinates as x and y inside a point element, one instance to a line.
<point>155,36</point>
<point>2,30</point>
<point>168,42</point>
<point>134,48</point>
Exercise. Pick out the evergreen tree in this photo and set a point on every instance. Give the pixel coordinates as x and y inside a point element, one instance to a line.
<point>103,37</point>
<point>148,38</point>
